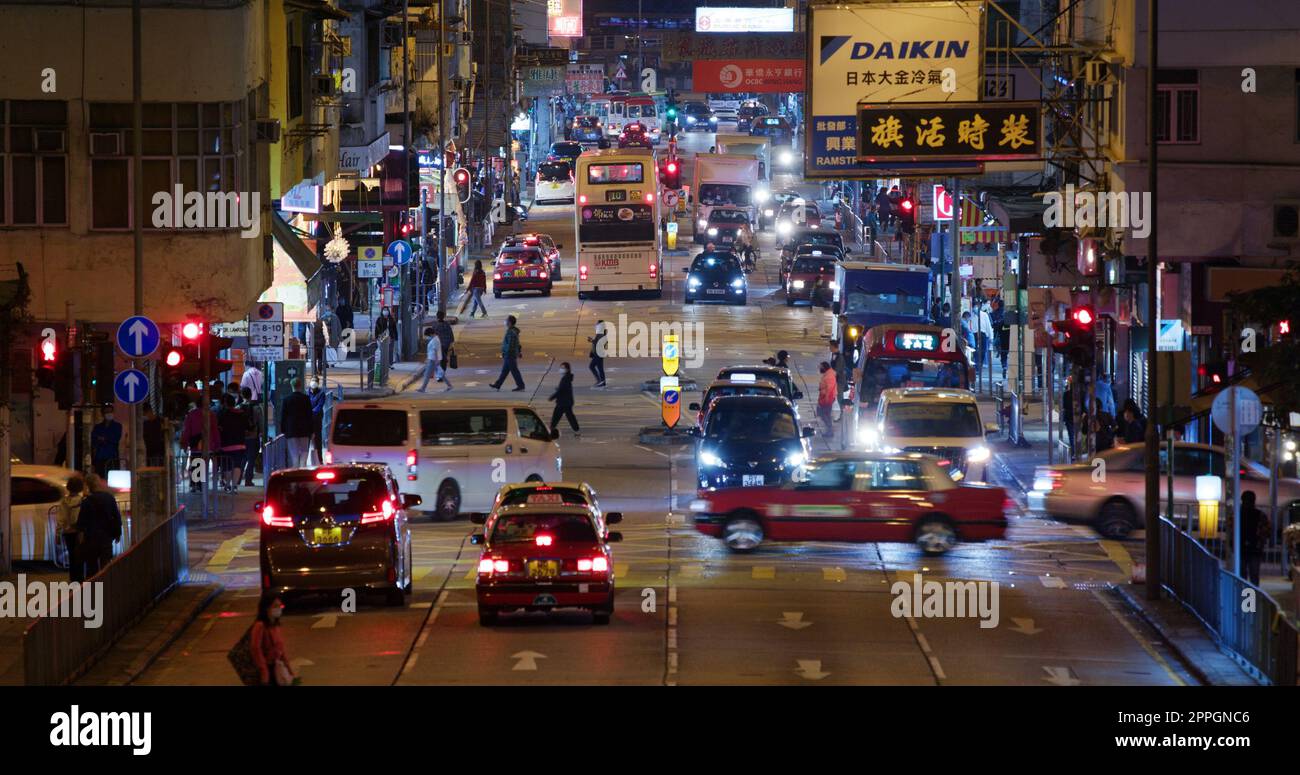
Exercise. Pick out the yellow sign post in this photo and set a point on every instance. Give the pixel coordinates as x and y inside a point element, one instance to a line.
<point>670,401</point>
<point>671,354</point>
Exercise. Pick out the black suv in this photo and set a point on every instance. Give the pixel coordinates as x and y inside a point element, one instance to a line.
<point>750,441</point>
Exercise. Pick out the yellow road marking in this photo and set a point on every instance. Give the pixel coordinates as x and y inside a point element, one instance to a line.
<point>420,571</point>
<point>1110,607</point>
<point>550,313</point>
<point>620,570</point>
<point>763,572</point>
<point>694,570</point>
<point>229,549</point>
<point>473,574</point>
<point>1120,556</point>
<point>834,574</point>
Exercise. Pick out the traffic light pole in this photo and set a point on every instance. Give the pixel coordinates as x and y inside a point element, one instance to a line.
<point>137,98</point>
<point>206,404</point>
<point>1153,577</point>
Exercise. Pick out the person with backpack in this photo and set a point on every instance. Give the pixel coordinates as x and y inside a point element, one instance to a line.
<point>511,350</point>
<point>100,523</point>
<point>69,512</point>
<point>563,398</point>
<point>266,644</point>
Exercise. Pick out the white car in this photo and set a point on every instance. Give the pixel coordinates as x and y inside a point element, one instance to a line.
<point>944,422</point>
<point>35,498</point>
<point>554,183</point>
<point>453,453</point>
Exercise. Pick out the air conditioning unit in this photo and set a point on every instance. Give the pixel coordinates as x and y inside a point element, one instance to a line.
<point>266,130</point>
<point>1286,221</point>
<point>105,143</point>
<point>323,86</point>
<point>50,140</point>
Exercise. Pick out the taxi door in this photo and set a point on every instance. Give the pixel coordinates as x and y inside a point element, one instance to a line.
<point>889,499</point>
<point>823,507</point>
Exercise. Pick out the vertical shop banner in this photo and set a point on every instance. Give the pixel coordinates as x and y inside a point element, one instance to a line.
<point>585,79</point>
<point>885,53</point>
<point>748,75</point>
<point>564,18</point>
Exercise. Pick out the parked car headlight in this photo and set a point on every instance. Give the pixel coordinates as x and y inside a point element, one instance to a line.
<point>713,119</point>
<point>786,157</point>
<point>710,460</point>
<point>784,227</point>
<point>690,119</point>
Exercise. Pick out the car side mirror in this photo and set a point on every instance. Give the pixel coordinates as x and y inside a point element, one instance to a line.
<point>991,427</point>
<point>478,519</point>
<point>808,432</point>
<point>411,499</point>
<point>614,517</point>
<point>477,539</point>
<point>798,394</point>
<point>614,537</point>
<point>694,407</point>
<point>257,507</point>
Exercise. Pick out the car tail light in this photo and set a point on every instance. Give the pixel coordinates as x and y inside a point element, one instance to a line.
<point>544,540</point>
<point>271,520</point>
<point>582,272</point>
<point>325,476</point>
<point>385,513</point>
<point>412,466</point>
<point>496,275</point>
<point>654,270</point>
<point>649,197</point>
<point>582,199</point>
<point>487,565</point>
<point>542,274</point>
<point>594,565</point>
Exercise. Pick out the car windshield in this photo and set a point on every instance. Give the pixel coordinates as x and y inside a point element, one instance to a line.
<point>587,121</point>
<point>370,428</point>
<point>743,420</point>
<point>917,419</point>
<point>814,265</point>
<point>882,373</point>
<point>511,257</point>
<point>554,171</point>
<point>715,262</point>
<point>696,108</point>
<point>728,216</point>
<point>549,495</point>
<point>819,238</point>
<point>739,390</point>
<point>749,375</point>
<point>566,149</point>
<point>528,528</point>
<point>714,194</point>
<point>305,493</point>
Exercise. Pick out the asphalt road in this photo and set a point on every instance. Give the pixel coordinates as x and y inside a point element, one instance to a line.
<point>687,611</point>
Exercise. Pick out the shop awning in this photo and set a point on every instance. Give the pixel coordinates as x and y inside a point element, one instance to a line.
<point>1019,213</point>
<point>302,256</point>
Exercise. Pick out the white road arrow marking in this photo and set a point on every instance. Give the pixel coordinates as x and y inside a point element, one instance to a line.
<point>138,330</point>
<point>131,381</point>
<point>527,660</point>
<point>1052,582</point>
<point>810,669</point>
<point>1024,626</point>
<point>793,620</point>
<point>325,621</point>
<point>1061,676</point>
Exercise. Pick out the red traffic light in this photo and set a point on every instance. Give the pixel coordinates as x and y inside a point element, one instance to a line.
<point>1283,327</point>
<point>192,330</point>
<point>1083,316</point>
<point>907,204</point>
<point>462,176</point>
<point>173,358</point>
<point>49,350</point>
<point>672,166</point>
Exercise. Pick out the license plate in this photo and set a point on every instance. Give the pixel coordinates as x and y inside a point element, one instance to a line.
<point>543,569</point>
<point>326,535</point>
<point>520,273</point>
<point>545,600</point>
<point>728,240</point>
<point>716,290</point>
<point>751,480</point>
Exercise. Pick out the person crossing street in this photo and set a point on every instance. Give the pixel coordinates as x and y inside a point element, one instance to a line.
<point>510,352</point>
<point>563,398</point>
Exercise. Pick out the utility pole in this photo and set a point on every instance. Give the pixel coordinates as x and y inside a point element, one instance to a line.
<point>954,277</point>
<point>1153,579</point>
<point>137,98</point>
<point>443,273</point>
<point>402,319</point>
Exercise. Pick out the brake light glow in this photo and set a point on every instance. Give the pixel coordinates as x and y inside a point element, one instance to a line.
<point>544,540</point>
<point>654,270</point>
<point>496,275</point>
<point>582,199</point>
<point>385,513</point>
<point>594,565</point>
<point>271,520</point>
<point>325,476</point>
<point>582,272</point>
<point>412,466</point>
<point>489,565</point>
<point>542,274</point>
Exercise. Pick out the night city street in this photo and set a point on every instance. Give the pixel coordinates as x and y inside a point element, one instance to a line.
<point>506,343</point>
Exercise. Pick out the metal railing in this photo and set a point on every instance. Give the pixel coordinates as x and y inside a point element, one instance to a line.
<point>275,456</point>
<point>1247,621</point>
<point>58,649</point>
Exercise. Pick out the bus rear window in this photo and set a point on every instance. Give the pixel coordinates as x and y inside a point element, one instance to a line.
<point>370,428</point>
<point>615,173</point>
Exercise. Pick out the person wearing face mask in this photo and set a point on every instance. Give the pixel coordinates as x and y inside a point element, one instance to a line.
<point>563,398</point>
<point>266,642</point>
<point>386,327</point>
<point>105,438</point>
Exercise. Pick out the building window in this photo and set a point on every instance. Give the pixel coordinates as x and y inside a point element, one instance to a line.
<point>33,163</point>
<point>1178,100</point>
<point>1297,105</point>
<point>295,73</point>
<point>198,146</point>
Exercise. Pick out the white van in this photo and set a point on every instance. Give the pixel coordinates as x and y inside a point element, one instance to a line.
<point>944,422</point>
<point>454,453</point>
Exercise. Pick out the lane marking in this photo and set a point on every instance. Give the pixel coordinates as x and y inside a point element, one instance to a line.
<point>1118,555</point>
<point>834,574</point>
<point>1137,636</point>
<point>763,572</point>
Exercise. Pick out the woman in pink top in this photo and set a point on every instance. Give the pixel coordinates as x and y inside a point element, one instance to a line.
<point>267,643</point>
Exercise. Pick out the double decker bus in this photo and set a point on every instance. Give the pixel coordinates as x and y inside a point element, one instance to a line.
<point>617,222</point>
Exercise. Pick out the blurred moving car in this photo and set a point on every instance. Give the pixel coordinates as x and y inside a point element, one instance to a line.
<point>728,387</point>
<point>796,215</point>
<point>521,268</point>
<point>750,441</point>
<point>566,150</point>
<point>824,238</point>
<point>547,245</point>
<point>554,183</point>
<point>696,116</point>
<point>815,250</point>
<point>748,113</point>
<point>542,557</point>
<point>716,276</point>
<point>933,421</point>
<point>857,497</point>
<point>34,498</point>
<point>336,527</point>
<point>586,129</point>
<point>811,278</point>
<point>635,135</point>
<point>729,228</point>
<point>1115,505</point>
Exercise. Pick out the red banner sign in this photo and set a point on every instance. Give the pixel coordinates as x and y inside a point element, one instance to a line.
<point>748,75</point>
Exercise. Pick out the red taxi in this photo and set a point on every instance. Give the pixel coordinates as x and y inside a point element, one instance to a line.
<point>857,497</point>
<point>521,268</point>
<point>908,355</point>
<point>635,135</point>
<point>811,279</point>
<point>539,557</point>
<point>544,243</point>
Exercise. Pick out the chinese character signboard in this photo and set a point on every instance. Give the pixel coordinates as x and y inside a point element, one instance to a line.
<point>564,18</point>
<point>748,75</point>
<point>585,78</point>
<point>542,81</point>
<point>879,54</point>
<point>744,19</point>
<point>986,131</point>
<point>681,46</point>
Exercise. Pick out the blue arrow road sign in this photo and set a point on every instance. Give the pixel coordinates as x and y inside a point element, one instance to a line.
<point>138,337</point>
<point>671,396</point>
<point>400,250</point>
<point>131,386</point>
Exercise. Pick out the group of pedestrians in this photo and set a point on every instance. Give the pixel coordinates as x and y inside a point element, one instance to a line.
<point>1096,412</point>
<point>89,524</point>
<point>984,330</point>
<point>302,418</point>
